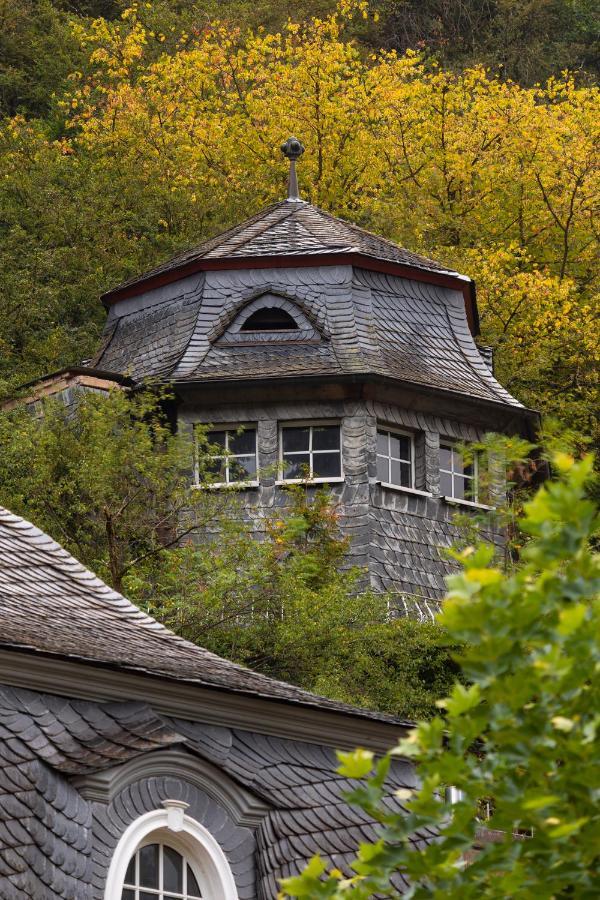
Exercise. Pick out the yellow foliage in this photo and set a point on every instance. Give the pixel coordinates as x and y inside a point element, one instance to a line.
<point>495,179</point>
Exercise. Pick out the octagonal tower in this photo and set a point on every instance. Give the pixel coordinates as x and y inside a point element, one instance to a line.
<point>340,354</point>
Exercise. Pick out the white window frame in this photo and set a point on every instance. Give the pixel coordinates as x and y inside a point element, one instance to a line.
<point>157,893</point>
<point>312,423</point>
<point>229,428</point>
<point>397,432</point>
<point>474,478</point>
<point>196,844</point>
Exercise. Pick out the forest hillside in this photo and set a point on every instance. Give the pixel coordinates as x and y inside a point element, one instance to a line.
<point>453,128</point>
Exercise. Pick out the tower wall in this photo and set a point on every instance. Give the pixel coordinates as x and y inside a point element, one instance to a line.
<point>397,535</point>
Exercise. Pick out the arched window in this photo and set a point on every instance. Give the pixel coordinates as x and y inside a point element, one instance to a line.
<point>166,855</point>
<point>160,871</point>
<point>270,318</point>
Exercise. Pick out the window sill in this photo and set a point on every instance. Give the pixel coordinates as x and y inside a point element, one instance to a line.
<point>404,490</point>
<point>223,485</point>
<point>337,479</point>
<point>469,504</point>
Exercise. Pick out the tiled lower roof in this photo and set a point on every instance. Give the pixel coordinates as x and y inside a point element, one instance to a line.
<point>50,603</point>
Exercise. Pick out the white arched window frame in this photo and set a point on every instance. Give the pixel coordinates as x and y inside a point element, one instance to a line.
<point>173,827</point>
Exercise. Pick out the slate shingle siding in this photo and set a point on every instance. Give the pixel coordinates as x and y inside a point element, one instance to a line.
<point>56,845</point>
<point>149,343</point>
<point>399,537</point>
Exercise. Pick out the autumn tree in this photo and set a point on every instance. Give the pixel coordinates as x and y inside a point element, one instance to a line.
<point>168,137</point>
<point>522,735</point>
<point>108,478</point>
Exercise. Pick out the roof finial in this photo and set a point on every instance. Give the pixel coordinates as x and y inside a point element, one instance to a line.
<point>293,149</point>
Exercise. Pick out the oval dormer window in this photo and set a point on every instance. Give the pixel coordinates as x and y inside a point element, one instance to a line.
<point>270,318</point>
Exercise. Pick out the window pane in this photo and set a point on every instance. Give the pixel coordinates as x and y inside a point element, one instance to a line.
<point>216,467</point>
<point>445,457</point>
<point>471,489</point>
<point>192,885</point>
<point>459,487</point>
<point>470,468</point>
<point>149,866</point>
<point>243,443</point>
<point>401,473</point>
<point>296,466</point>
<point>405,448</point>
<point>242,468</point>
<point>405,475</point>
<point>326,465</point>
<point>382,443</point>
<point>128,895</point>
<point>446,485</point>
<point>216,437</point>
<point>130,873</point>
<point>382,469</point>
<point>145,896</point>
<point>394,446</point>
<point>295,439</point>
<point>269,319</point>
<point>458,462</point>
<point>172,870</point>
<point>326,437</point>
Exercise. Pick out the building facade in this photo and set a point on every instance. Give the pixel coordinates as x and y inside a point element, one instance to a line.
<point>344,359</point>
<point>137,766</point>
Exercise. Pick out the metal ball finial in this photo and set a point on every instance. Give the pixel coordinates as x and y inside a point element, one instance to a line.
<point>293,150</point>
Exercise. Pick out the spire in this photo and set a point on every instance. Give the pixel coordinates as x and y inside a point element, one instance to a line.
<point>293,149</point>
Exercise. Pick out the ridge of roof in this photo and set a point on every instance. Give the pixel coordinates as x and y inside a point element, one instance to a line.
<point>51,604</point>
<point>271,232</point>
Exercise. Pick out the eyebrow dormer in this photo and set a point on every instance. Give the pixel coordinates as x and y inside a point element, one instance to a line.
<point>269,318</point>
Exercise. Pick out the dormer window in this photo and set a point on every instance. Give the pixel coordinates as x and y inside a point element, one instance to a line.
<point>270,318</point>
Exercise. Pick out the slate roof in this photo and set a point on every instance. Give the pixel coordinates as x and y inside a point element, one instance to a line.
<point>369,323</point>
<point>55,845</point>
<point>388,324</point>
<point>292,227</point>
<point>52,604</point>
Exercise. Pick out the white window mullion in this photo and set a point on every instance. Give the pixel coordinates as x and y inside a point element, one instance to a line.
<point>160,871</point>
<point>227,458</point>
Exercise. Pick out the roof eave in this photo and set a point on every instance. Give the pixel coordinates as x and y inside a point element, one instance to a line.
<point>198,700</point>
<point>48,385</point>
<point>78,370</point>
<point>533,416</point>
